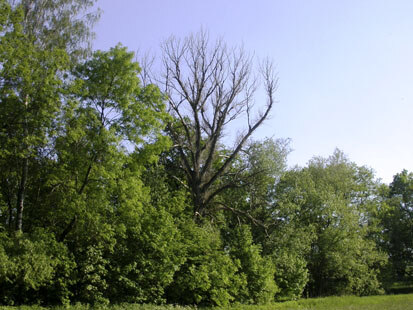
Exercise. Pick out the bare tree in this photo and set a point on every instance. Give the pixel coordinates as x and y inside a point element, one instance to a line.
<point>209,86</point>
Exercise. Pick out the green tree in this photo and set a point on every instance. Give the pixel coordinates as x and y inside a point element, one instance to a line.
<point>112,128</point>
<point>110,122</point>
<point>258,271</point>
<point>260,167</point>
<point>30,89</point>
<point>87,154</point>
<point>150,246</point>
<point>209,276</point>
<point>397,224</point>
<point>331,199</point>
<point>247,216</point>
<point>63,24</point>
<point>36,39</point>
<point>32,267</point>
<point>4,14</point>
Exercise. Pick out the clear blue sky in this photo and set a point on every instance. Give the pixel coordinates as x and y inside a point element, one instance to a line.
<point>345,67</point>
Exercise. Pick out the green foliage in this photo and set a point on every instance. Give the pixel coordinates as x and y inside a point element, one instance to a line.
<point>63,24</point>
<point>146,258</point>
<point>90,195</point>
<point>248,201</point>
<point>291,275</point>
<point>208,276</point>
<point>34,268</point>
<point>397,223</point>
<point>258,271</point>
<point>287,245</point>
<point>332,200</point>
<point>112,127</point>
<point>4,14</point>
<point>30,106</point>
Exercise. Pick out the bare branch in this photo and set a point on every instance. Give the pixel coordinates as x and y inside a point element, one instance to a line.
<point>243,213</point>
<point>209,86</point>
<point>146,62</point>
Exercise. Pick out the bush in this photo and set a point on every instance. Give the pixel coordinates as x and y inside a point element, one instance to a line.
<point>209,276</point>
<point>33,269</point>
<point>258,271</point>
<point>291,276</point>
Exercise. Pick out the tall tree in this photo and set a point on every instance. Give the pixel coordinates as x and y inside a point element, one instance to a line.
<point>110,117</point>
<point>397,223</point>
<point>330,200</point>
<point>30,88</point>
<point>65,24</point>
<point>210,87</point>
<point>87,193</point>
<point>35,43</point>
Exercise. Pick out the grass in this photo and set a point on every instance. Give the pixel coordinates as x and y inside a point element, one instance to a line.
<point>388,302</point>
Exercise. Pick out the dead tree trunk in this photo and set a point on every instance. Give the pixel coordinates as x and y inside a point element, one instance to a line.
<point>209,86</point>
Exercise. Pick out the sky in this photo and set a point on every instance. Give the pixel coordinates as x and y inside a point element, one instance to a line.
<point>345,68</point>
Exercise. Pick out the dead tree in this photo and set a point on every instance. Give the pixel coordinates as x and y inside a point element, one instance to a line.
<point>209,86</point>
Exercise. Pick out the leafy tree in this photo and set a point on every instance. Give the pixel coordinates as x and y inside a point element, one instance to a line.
<point>208,276</point>
<point>30,89</point>
<point>330,200</point>
<point>112,127</point>
<point>260,166</point>
<point>33,268</point>
<point>150,246</point>
<point>36,38</point>
<point>84,156</point>
<point>4,14</point>
<point>110,117</point>
<point>397,224</point>
<point>63,24</point>
<point>258,271</point>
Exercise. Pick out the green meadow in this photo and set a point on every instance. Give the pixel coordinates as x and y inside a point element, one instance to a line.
<point>388,302</point>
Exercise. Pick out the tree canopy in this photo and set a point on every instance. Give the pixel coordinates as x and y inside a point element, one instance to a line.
<point>115,187</point>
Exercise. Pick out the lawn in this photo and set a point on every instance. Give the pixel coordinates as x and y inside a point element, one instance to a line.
<point>389,302</point>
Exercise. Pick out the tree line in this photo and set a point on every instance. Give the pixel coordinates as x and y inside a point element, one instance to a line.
<point>118,184</point>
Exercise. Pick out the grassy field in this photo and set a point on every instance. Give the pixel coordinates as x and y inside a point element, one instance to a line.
<point>389,302</point>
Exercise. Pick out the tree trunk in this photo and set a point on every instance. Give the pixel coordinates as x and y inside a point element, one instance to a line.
<point>10,223</point>
<point>20,195</point>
